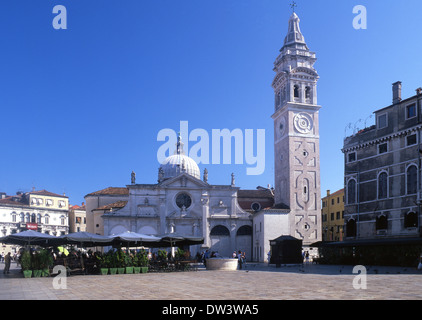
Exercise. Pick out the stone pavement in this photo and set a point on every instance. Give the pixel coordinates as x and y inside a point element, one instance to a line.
<point>257,282</point>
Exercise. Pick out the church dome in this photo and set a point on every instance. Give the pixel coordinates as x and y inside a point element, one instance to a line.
<point>178,163</point>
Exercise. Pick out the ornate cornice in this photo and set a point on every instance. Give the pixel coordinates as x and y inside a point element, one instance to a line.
<point>382,139</point>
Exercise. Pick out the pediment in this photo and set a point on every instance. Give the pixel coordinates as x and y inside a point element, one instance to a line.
<point>184,180</point>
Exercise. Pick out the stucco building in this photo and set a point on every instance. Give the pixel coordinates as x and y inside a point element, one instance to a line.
<point>42,211</point>
<point>382,173</point>
<point>333,216</point>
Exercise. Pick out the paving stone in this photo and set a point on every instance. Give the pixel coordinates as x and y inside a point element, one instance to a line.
<point>259,282</point>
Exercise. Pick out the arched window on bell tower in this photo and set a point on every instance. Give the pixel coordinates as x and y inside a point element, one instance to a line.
<point>296,91</point>
<point>308,94</point>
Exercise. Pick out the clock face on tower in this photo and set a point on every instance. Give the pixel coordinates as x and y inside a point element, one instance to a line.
<point>303,123</point>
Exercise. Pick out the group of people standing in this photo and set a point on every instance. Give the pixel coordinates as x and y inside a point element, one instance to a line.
<point>241,258</point>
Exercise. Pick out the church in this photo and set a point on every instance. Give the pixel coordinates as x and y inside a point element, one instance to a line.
<point>227,217</point>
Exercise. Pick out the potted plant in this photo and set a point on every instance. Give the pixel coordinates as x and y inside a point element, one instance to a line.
<point>136,266</point>
<point>103,263</point>
<point>26,264</point>
<point>128,262</point>
<point>143,261</point>
<point>112,260</point>
<point>120,256</point>
<point>36,264</point>
<point>46,260</point>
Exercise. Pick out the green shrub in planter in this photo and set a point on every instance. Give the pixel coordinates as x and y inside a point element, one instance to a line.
<point>104,271</point>
<point>129,270</point>
<point>136,269</point>
<point>121,270</point>
<point>45,261</point>
<point>26,264</point>
<point>113,270</point>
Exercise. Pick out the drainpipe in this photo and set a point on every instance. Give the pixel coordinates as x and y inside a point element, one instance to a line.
<point>419,199</point>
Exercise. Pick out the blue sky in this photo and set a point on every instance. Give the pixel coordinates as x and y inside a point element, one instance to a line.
<point>81,108</point>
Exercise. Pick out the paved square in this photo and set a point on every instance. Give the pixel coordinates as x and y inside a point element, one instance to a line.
<point>257,282</point>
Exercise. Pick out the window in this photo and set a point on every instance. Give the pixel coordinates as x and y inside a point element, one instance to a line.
<point>332,201</point>
<point>382,185</point>
<point>183,200</point>
<point>33,218</point>
<point>411,111</point>
<point>411,180</point>
<point>351,157</point>
<point>39,218</point>
<point>14,217</point>
<point>382,148</point>
<point>382,121</point>
<point>296,91</point>
<point>338,215</point>
<point>332,216</point>
<point>220,231</point>
<point>255,206</point>
<point>351,191</point>
<point>22,215</point>
<point>308,93</point>
<point>244,231</point>
<point>381,223</point>
<point>411,140</point>
<point>46,219</point>
<point>411,220</point>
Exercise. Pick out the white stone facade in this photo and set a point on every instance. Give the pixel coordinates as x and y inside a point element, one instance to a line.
<point>296,135</point>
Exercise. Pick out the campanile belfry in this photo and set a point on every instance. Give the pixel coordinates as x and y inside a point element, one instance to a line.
<point>296,135</point>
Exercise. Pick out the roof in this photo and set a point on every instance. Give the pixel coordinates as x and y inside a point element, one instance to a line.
<point>13,200</point>
<point>22,199</point>
<point>114,205</point>
<point>111,191</point>
<point>47,193</point>
<point>263,196</point>
<point>286,238</point>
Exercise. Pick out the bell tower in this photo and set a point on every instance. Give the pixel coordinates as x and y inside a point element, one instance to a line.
<point>296,135</point>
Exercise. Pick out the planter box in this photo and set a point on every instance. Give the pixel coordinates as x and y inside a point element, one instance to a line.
<point>113,270</point>
<point>27,273</point>
<point>120,270</point>
<point>104,271</point>
<point>144,269</point>
<point>129,269</point>
<point>136,269</point>
<point>45,273</point>
<point>37,273</point>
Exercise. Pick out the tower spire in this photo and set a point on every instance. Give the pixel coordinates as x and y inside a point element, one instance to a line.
<point>294,36</point>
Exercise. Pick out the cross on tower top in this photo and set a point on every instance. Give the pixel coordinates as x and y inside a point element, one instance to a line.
<point>293,5</point>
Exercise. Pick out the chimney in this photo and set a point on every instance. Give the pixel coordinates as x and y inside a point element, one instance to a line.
<point>328,193</point>
<point>419,91</point>
<point>396,92</point>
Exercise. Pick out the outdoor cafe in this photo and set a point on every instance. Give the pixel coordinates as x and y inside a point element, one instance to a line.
<point>87,253</point>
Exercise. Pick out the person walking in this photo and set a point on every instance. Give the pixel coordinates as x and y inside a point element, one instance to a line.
<point>7,261</point>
